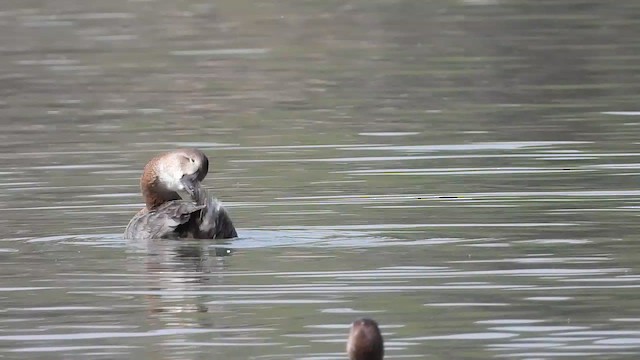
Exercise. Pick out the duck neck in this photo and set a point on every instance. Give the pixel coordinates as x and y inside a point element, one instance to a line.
<point>155,195</point>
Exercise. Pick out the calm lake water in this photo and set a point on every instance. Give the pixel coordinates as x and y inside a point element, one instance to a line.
<point>464,172</point>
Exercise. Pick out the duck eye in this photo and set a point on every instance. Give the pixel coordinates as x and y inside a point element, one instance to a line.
<point>192,160</point>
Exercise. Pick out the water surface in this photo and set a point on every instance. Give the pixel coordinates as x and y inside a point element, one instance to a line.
<point>465,172</point>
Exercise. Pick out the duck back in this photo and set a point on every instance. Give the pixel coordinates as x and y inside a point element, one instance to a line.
<point>163,222</point>
<point>178,219</point>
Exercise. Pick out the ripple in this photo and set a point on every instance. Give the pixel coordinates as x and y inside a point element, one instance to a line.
<point>507,145</point>
<point>466,336</point>
<point>389,133</point>
<point>221,52</point>
<point>54,349</point>
<point>115,335</point>
<point>622,113</point>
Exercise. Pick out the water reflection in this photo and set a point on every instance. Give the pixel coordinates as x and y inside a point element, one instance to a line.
<point>176,269</point>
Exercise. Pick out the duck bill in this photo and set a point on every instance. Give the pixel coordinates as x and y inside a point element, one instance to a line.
<point>191,185</point>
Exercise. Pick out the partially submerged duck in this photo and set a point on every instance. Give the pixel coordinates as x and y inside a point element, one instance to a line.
<point>176,204</point>
<point>365,341</point>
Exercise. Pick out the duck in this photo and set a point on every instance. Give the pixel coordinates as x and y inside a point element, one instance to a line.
<point>365,341</point>
<point>177,206</point>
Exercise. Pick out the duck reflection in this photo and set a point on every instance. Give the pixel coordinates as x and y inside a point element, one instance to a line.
<point>179,276</point>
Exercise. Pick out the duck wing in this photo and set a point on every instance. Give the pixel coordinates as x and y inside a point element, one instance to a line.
<point>162,222</point>
<point>213,221</point>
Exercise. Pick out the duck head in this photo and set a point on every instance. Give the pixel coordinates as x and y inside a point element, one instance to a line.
<point>365,341</point>
<point>172,176</point>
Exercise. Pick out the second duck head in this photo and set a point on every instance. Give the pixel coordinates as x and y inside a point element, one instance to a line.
<point>365,341</point>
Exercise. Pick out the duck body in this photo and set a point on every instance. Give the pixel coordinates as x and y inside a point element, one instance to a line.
<point>176,204</point>
<point>167,221</point>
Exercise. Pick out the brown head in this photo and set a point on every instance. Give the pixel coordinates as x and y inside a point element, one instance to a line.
<point>173,175</point>
<point>365,341</point>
